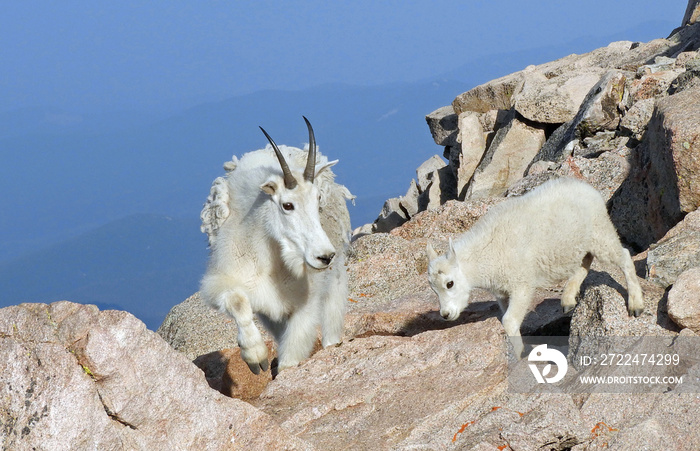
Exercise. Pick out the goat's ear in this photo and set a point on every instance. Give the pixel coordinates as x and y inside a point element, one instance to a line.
<point>269,187</point>
<point>451,250</point>
<point>322,167</point>
<point>432,255</point>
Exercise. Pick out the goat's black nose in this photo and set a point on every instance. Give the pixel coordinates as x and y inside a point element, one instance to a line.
<point>326,259</point>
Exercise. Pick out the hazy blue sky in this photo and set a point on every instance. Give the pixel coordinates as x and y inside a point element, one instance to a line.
<point>94,54</point>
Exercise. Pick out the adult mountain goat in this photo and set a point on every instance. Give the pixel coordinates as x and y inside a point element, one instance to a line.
<point>546,236</point>
<point>278,229</point>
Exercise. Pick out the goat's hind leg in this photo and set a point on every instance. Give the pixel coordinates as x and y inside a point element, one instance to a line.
<point>573,285</point>
<point>613,253</point>
<point>635,299</point>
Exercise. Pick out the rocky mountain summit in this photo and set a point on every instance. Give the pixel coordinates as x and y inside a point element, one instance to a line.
<point>625,118</point>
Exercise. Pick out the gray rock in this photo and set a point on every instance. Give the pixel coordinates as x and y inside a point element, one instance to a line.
<point>398,210</point>
<point>443,187</point>
<point>683,140</point>
<point>456,376</point>
<point>409,201</point>
<point>499,94</point>
<point>472,142</point>
<point>506,159</point>
<point>557,99</point>
<point>194,328</point>
<point>662,182</point>
<point>451,218</point>
<point>599,111</point>
<point>78,378</point>
<point>676,252</point>
<point>652,84</point>
<point>603,141</point>
<point>635,121</point>
<point>425,171</point>
<point>391,216</point>
<point>602,105</point>
<point>643,53</point>
<point>683,300</point>
<point>692,13</point>
<point>494,95</point>
<point>602,308</point>
<point>443,126</point>
<point>641,421</point>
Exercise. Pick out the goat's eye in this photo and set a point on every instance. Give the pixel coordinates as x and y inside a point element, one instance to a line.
<point>288,206</point>
<point>450,284</point>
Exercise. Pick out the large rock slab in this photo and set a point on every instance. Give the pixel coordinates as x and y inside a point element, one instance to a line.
<point>662,184</point>
<point>684,301</point>
<point>494,95</point>
<point>506,160</point>
<point>554,100</point>
<point>499,94</point>
<point>472,145</point>
<point>676,252</point>
<point>346,398</point>
<point>598,111</point>
<point>602,308</point>
<point>440,389</point>
<point>682,138</point>
<point>452,218</point>
<point>78,378</point>
<point>641,421</point>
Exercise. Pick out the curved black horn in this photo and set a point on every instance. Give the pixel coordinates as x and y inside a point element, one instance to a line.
<point>289,180</point>
<point>310,170</point>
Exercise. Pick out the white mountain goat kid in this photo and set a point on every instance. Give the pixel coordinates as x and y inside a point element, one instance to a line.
<point>278,228</point>
<point>546,236</point>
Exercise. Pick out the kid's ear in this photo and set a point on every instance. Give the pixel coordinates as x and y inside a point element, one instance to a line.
<point>432,255</point>
<point>269,187</point>
<point>452,247</point>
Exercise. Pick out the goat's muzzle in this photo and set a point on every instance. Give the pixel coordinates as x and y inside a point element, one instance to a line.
<point>326,259</point>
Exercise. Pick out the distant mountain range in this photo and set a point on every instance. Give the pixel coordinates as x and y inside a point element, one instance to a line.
<point>143,263</point>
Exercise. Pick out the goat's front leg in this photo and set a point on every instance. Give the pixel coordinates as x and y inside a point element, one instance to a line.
<point>518,307</point>
<point>253,349</point>
<point>333,307</point>
<point>299,337</point>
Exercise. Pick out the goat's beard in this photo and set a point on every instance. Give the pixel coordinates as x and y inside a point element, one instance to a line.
<point>293,259</point>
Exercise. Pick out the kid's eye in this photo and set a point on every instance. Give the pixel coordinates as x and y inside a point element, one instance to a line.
<point>288,206</point>
<point>450,284</point>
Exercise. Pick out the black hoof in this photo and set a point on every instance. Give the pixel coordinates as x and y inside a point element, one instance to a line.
<point>254,367</point>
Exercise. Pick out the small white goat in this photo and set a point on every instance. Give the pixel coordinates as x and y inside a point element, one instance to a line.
<point>278,228</point>
<point>541,238</point>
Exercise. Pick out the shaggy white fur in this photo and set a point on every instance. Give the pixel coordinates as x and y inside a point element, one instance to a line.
<point>278,252</point>
<point>546,236</point>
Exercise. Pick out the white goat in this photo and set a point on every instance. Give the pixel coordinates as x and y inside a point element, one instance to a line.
<point>541,238</point>
<point>278,228</point>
